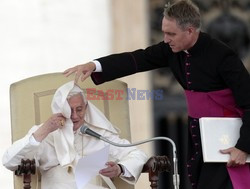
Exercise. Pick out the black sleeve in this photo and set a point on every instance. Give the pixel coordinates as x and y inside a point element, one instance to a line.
<point>237,78</point>
<point>124,64</point>
<point>243,142</point>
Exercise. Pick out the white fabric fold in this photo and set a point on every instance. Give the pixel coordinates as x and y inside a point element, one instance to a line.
<point>94,117</point>
<point>64,138</point>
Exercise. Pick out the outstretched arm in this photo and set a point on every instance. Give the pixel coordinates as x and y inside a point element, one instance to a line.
<point>122,64</point>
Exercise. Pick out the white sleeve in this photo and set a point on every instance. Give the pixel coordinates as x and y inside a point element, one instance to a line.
<point>126,173</point>
<point>33,141</point>
<point>131,158</point>
<point>98,66</point>
<point>20,149</point>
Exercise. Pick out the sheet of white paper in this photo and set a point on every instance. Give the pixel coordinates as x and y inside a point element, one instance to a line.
<point>89,166</point>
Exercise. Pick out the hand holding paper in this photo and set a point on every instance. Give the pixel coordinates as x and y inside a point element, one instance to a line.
<point>113,170</point>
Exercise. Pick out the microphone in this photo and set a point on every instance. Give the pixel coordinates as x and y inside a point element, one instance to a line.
<point>85,130</point>
<point>176,179</point>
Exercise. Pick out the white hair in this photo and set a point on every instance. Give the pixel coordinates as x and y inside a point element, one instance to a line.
<point>74,93</point>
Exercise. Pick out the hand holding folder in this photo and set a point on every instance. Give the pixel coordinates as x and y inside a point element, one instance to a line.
<point>217,134</point>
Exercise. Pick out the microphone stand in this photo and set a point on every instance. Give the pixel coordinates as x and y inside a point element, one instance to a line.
<point>176,178</point>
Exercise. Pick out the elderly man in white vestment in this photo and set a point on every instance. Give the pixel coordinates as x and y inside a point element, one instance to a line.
<point>58,144</point>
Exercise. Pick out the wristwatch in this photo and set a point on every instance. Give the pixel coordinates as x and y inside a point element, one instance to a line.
<point>121,167</point>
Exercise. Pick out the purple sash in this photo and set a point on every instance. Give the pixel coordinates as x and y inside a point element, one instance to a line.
<point>219,104</point>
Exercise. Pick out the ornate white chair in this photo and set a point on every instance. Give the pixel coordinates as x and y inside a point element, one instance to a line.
<point>30,104</point>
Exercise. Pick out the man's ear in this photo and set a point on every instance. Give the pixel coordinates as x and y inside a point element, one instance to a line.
<point>191,30</point>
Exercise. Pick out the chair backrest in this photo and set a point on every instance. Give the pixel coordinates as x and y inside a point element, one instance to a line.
<point>30,104</point>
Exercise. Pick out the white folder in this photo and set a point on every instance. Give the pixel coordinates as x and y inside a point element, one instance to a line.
<point>216,134</point>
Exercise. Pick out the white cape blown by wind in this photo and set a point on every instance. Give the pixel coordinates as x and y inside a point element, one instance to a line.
<point>64,138</point>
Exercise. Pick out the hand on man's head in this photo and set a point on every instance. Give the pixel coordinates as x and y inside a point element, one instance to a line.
<point>82,71</point>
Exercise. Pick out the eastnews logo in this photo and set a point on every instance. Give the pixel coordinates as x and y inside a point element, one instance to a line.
<point>132,94</point>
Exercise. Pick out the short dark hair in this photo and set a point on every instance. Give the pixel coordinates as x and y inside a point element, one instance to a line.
<point>185,12</point>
